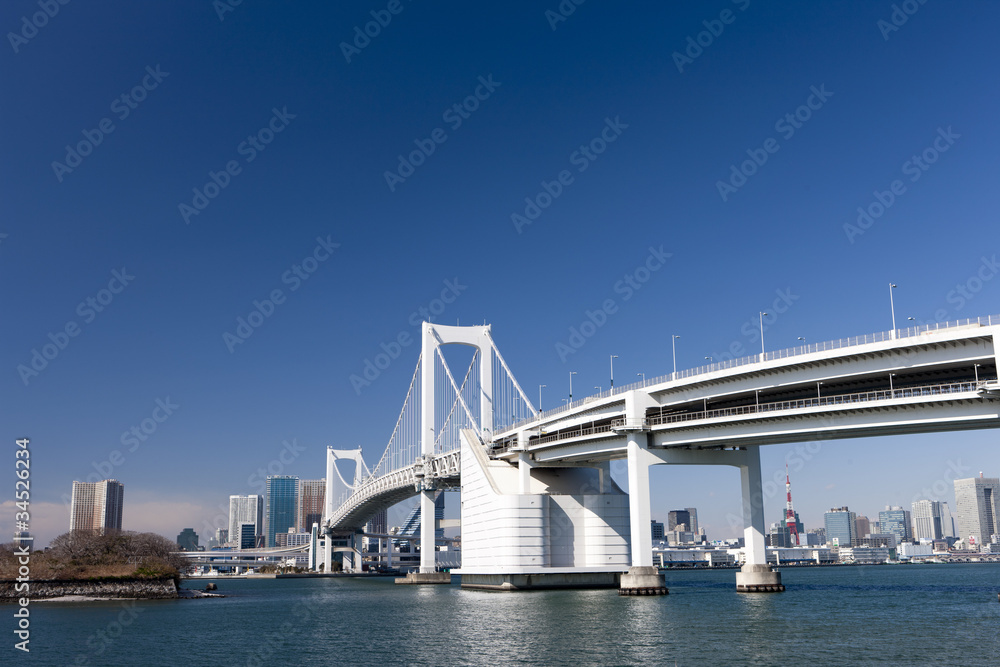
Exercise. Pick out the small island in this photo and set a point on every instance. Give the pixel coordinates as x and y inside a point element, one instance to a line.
<point>93,565</point>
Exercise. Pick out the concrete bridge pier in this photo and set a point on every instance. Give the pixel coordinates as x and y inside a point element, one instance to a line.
<point>756,576</point>
<point>642,578</point>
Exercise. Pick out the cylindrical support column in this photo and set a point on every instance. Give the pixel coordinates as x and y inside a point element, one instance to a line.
<point>523,472</point>
<point>638,501</point>
<point>427,563</point>
<point>753,509</point>
<point>756,576</point>
<point>327,553</point>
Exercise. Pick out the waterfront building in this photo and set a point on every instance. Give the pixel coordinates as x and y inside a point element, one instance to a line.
<point>245,509</point>
<point>281,506</point>
<point>97,506</point>
<point>816,537</point>
<point>895,520</point>
<point>657,529</point>
<point>839,523</point>
<point>887,540</point>
<point>977,501</point>
<point>187,540</point>
<point>909,551</point>
<point>864,555</point>
<point>312,496</point>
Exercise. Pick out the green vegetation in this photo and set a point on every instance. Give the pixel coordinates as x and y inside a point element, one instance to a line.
<point>96,557</point>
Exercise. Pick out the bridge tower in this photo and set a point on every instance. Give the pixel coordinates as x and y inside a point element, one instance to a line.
<point>433,336</point>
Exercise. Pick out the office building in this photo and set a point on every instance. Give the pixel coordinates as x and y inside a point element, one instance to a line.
<point>928,520</point>
<point>862,526</point>
<point>977,502</point>
<point>895,520</point>
<point>245,509</point>
<point>221,536</point>
<point>693,516</point>
<point>947,521</point>
<point>312,496</point>
<point>678,517</point>
<point>839,523</point>
<point>281,506</point>
<point>187,540</point>
<point>246,535</point>
<point>657,529</point>
<point>97,506</point>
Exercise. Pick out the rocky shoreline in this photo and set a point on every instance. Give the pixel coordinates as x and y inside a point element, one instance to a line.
<point>88,590</point>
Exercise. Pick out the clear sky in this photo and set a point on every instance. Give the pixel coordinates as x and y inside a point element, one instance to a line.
<point>167,165</point>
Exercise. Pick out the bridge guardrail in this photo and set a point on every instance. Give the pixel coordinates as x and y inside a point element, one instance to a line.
<point>877,337</point>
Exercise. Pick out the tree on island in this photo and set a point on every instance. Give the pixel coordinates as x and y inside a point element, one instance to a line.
<point>91,555</point>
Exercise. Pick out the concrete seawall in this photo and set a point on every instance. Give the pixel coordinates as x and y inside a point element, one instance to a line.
<point>145,589</point>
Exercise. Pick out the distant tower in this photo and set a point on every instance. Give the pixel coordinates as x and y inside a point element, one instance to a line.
<point>793,529</point>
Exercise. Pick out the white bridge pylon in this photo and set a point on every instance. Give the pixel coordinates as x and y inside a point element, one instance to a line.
<point>422,454</point>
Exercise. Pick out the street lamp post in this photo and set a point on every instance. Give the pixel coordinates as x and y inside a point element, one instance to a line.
<point>571,374</point>
<point>540,396</point>
<point>891,390</point>
<point>762,314</point>
<point>975,368</point>
<point>673,347</point>
<point>818,383</point>
<point>643,377</point>
<point>892,308</point>
<point>613,357</point>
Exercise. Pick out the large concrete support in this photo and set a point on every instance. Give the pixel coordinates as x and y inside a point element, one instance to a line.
<point>327,554</point>
<point>642,578</point>
<point>756,576</point>
<point>427,563</point>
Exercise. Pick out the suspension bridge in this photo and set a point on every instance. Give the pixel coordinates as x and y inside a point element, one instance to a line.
<point>539,506</point>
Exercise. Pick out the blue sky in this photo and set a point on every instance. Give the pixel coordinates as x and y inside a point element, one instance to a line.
<point>677,118</point>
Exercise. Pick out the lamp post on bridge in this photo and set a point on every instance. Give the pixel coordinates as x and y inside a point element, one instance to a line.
<point>818,383</point>
<point>540,396</point>
<point>892,308</point>
<point>892,392</point>
<point>571,374</point>
<point>762,314</point>
<point>613,357</point>
<point>975,369</point>
<point>599,389</point>
<point>643,378</point>
<point>673,347</point>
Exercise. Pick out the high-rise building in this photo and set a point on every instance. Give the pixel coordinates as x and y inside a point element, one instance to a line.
<point>678,517</point>
<point>977,501</point>
<point>657,529</point>
<point>245,509</point>
<point>312,496</point>
<point>97,506</point>
<point>221,536</point>
<point>839,524</point>
<point>928,519</point>
<point>947,521</point>
<point>187,540</point>
<point>281,505</point>
<point>862,526</point>
<point>895,520</point>
<point>693,515</point>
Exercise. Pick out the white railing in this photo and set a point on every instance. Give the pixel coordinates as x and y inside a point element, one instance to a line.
<point>767,356</point>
